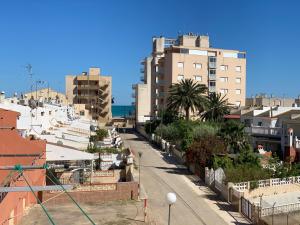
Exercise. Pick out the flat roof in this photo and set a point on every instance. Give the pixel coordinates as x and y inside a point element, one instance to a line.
<point>62,153</point>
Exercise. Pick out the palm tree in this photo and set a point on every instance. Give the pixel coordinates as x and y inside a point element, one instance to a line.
<point>187,95</point>
<point>217,107</point>
<point>233,133</point>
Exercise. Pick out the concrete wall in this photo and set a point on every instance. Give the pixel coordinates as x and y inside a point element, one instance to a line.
<point>124,191</point>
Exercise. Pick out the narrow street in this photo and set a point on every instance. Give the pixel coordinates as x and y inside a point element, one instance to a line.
<point>161,174</point>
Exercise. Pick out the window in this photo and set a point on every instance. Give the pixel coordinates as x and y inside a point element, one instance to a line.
<point>223,91</point>
<point>224,79</point>
<point>238,69</point>
<point>238,103</point>
<point>212,71</point>
<point>212,59</point>
<point>81,113</point>
<point>180,77</point>
<point>238,91</point>
<point>224,67</point>
<point>238,80</point>
<point>180,64</point>
<point>212,83</point>
<point>198,78</point>
<point>197,65</point>
<point>259,124</point>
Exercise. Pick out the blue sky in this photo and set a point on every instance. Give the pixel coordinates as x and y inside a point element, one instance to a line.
<point>62,37</point>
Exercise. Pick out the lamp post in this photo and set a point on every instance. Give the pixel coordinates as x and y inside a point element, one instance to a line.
<point>140,157</point>
<point>171,199</point>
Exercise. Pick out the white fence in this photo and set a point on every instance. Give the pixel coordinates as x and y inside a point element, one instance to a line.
<point>242,186</point>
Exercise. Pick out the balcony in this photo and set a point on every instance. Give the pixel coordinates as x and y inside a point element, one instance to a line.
<point>212,88</point>
<point>212,76</point>
<point>88,87</point>
<point>212,62</point>
<point>267,131</point>
<point>160,94</point>
<point>133,86</point>
<point>161,82</point>
<point>142,78</point>
<point>133,95</point>
<point>142,70</point>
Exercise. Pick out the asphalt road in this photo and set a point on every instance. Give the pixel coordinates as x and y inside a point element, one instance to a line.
<point>161,174</point>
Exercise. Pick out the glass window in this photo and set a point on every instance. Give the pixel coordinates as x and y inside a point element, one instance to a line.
<point>238,91</point>
<point>238,80</point>
<point>212,71</point>
<point>224,67</point>
<point>197,65</point>
<point>180,77</point>
<point>212,83</point>
<point>224,79</point>
<point>212,59</point>
<point>198,78</point>
<point>180,64</point>
<point>238,69</point>
<point>223,91</point>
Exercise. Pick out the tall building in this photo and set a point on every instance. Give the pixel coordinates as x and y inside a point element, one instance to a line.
<point>91,94</point>
<point>190,56</point>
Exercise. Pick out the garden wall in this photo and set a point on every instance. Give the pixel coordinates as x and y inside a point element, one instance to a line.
<point>118,191</point>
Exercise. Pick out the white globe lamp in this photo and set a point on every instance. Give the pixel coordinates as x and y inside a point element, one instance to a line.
<point>171,199</point>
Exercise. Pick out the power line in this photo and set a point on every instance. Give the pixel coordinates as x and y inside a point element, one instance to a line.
<point>58,182</point>
<point>38,200</point>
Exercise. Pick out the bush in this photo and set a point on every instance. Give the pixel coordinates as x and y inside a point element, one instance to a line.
<point>222,162</point>
<point>150,126</point>
<point>202,151</point>
<point>244,173</point>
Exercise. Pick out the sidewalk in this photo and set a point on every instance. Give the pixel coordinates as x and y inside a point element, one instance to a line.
<point>220,207</point>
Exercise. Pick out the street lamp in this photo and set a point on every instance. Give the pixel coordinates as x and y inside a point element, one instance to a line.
<point>171,199</point>
<point>140,156</point>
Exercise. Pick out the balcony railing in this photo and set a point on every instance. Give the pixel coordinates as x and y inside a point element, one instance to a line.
<point>212,88</point>
<point>142,70</point>
<point>142,78</point>
<point>134,86</point>
<point>270,131</point>
<point>212,76</point>
<point>87,87</point>
<point>133,95</point>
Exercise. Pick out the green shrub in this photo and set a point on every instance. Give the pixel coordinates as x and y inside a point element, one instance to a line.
<point>222,162</point>
<point>243,173</point>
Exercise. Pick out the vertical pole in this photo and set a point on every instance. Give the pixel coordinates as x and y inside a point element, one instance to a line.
<point>145,209</point>
<point>139,177</point>
<point>48,92</point>
<point>169,220</point>
<point>287,218</point>
<point>140,157</point>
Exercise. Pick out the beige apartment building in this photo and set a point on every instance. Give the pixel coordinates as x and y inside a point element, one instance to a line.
<point>91,94</point>
<point>190,57</point>
<point>265,100</point>
<point>46,95</point>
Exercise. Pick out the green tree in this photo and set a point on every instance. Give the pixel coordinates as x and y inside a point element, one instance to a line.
<point>187,95</point>
<point>234,136</point>
<point>216,108</point>
<point>247,156</point>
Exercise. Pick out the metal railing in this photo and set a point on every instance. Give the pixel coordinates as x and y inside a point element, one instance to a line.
<point>271,131</point>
